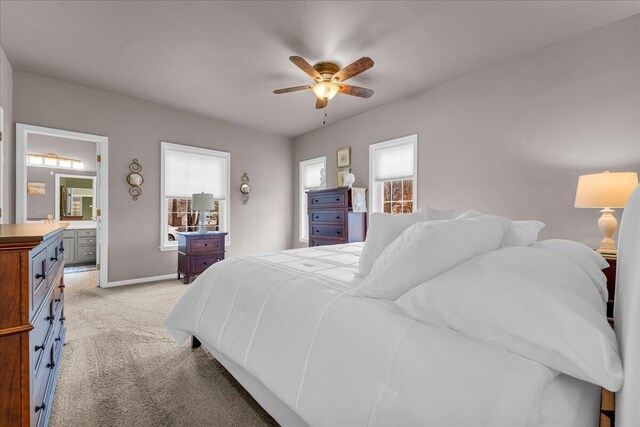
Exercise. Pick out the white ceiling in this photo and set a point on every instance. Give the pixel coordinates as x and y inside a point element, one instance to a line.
<point>223,59</point>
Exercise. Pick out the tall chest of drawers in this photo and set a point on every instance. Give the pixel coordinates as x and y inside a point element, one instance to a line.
<point>331,218</point>
<point>32,319</point>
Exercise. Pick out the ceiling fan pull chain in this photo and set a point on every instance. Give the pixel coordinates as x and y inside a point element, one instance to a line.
<point>324,121</point>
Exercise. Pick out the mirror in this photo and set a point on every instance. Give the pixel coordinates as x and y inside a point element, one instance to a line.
<point>135,179</point>
<point>76,195</point>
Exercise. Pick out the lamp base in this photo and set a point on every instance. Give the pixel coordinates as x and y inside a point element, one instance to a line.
<point>607,224</point>
<point>202,229</point>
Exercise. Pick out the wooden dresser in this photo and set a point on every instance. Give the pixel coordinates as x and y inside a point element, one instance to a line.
<point>31,320</point>
<point>331,218</point>
<point>199,251</point>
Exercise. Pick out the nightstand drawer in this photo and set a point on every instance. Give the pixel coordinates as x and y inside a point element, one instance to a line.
<point>201,263</point>
<point>207,245</point>
<point>328,216</point>
<point>328,231</point>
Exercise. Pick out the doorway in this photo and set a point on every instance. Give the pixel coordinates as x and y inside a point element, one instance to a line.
<point>63,176</point>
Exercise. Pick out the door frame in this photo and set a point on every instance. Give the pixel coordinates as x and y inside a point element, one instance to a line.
<point>102,189</point>
<point>2,183</point>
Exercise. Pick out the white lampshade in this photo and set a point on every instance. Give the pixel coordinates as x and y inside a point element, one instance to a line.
<point>203,202</point>
<point>605,190</point>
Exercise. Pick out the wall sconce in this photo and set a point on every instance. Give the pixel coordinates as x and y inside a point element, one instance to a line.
<point>134,179</point>
<point>245,188</point>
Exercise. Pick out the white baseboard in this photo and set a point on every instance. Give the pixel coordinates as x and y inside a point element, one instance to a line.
<point>140,280</point>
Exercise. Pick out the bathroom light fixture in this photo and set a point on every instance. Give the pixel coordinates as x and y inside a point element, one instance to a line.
<point>52,161</point>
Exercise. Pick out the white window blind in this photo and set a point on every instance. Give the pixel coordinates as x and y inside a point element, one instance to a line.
<point>394,162</point>
<point>188,172</point>
<point>310,179</point>
<point>311,174</point>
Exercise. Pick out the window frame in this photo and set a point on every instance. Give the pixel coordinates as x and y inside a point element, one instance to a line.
<point>302,207</point>
<point>376,188</point>
<point>223,215</point>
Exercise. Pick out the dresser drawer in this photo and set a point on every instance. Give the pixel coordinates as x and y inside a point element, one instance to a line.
<point>206,245</point>
<point>86,233</point>
<point>84,241</point>
<point>332,216</point>
<point>85,253</point>
<point>201,263</point>
<point>54,256</point>
<point>323,200</point>
<point>322,242</point>
<point>40,336</point>
<point>41,385</point>
<point>328,231</point>
<point>38,278</point>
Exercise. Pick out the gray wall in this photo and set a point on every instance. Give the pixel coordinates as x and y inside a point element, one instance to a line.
<point>8,171</point>
<point>512,139</point>
<point>135,129</point>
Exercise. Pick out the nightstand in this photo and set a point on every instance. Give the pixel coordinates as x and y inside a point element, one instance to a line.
<point>199,251</point>
<point>610,272</point>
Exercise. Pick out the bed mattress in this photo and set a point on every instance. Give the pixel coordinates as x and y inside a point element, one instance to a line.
<point>287,321</point>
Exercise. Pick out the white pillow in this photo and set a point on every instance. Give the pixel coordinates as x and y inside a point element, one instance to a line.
<point>384,229</point>
<point>427,249</point>
<point>520,233</point>
<point>590,260</point>
<point>529,302</point>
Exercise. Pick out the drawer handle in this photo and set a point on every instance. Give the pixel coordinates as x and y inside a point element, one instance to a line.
<point>38,347</point>
<point>62,286</point>
<point>49,319</point>
<point>53,258</point>
<point>337,200</point>
<point>39,407</point>
<point>206,244</point>
<point>337,216</point>
<point>338,233</point>
<point>51,365</point>
<point>205,262</point>
<point>57,339</point>
<point>57,300</point>
<point>316,201</point>
<point>40,276</point>
<point>62,319</point>
<point>61,248</point>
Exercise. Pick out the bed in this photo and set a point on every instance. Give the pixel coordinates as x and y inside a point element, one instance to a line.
<point>286,326</point>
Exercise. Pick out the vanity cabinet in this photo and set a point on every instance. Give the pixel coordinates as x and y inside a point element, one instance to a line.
<point>80,246</point>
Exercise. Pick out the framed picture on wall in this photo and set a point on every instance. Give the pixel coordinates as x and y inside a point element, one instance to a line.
<point>36,188</point>
<point>342,175</point>
<point>343,157</point>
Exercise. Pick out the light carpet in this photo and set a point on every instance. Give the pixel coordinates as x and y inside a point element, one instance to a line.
<point>120,366</point>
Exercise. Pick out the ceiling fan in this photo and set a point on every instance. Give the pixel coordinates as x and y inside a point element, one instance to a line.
<point>329,79</point>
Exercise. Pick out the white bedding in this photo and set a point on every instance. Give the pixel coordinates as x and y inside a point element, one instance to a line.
<point>341,360</point>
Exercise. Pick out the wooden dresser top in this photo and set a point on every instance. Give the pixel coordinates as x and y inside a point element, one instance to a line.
<point>13,233</point>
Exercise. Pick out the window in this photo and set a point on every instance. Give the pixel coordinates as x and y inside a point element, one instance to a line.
<point>187,170</point>
<point>312,177</point>
<point>393,175</point>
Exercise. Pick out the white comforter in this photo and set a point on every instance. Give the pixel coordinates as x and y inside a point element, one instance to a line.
<point>339,360</point>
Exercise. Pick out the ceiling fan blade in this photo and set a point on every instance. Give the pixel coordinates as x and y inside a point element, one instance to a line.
<point>321,103</point>
<point>292,89</point>
<point>352,70</point>
<point>306,67</point>
<point>362,92</point>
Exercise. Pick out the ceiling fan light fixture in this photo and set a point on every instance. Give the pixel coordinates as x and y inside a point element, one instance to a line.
<point>326,90</point>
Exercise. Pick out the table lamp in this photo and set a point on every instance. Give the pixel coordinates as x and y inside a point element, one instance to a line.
<point>203,202</point>
<point>605,191</point>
